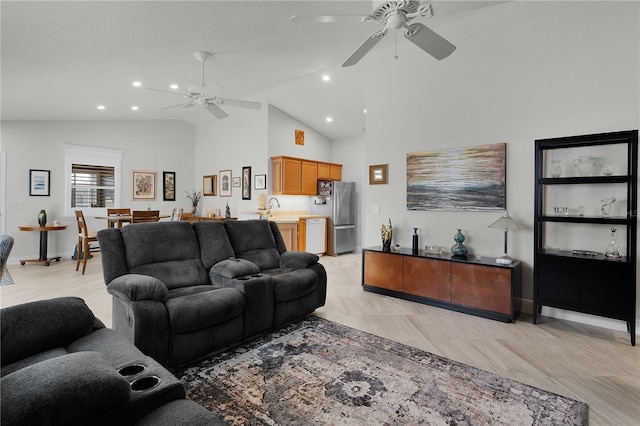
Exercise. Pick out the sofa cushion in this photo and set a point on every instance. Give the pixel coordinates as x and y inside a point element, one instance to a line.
<point>214,242</point>
<point>293,284</point>
<point>253,240</point>
<point>36,327</point>
<point>203,310</point>
<point>70,389</point>
<point>168,251</point>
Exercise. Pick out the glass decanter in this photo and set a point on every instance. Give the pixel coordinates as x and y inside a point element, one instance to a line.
<point>613,249</point>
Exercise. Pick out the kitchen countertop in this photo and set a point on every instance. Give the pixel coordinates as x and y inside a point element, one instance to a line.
<point>293,217</point>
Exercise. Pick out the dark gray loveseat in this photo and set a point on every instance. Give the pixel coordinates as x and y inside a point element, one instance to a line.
<point>61,366</point>
<point>182,291</point>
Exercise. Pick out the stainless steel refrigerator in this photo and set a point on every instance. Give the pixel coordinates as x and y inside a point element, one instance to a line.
<point>340,206</point>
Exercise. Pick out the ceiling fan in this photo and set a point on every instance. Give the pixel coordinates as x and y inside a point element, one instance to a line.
<point>196,95</point>
<point>394,15</point>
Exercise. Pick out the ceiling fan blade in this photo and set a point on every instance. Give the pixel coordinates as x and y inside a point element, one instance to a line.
<point>216,110</point>
<point>167,91</point>
<point>240,104</point>
<point>364,48</point>
<point>181,104</point>
<point>328,19</point>
<point>429,41</point>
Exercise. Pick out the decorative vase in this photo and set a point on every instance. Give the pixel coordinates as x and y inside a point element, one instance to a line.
<point>42,218</point>
<point>227,211</point>
<point>194,209</point>
<point>459,249</point>
<point>586,165</point>
<point>613,249</point>
<point>414,248</point>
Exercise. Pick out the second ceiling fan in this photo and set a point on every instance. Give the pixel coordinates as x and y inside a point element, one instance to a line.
<point>394,15</point>
<point>196,95</point>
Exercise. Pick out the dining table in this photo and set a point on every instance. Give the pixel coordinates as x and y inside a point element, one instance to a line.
<point>117,220</point>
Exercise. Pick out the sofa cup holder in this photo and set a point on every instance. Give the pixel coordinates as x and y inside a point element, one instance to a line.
<point>145,383</point>
<point>132,370</point>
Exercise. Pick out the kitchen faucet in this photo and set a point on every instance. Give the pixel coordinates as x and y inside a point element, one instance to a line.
<point>270,206</point>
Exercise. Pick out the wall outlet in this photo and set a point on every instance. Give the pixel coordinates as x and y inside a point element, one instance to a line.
<point>375,209</point>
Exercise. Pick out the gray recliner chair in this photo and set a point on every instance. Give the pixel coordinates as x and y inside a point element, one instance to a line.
<point>6,244</point>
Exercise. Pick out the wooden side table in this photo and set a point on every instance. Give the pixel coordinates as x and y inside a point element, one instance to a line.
<point>44,231</point>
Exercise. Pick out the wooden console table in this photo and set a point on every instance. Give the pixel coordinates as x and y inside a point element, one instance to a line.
<point>477,286</point>
<point>44,231</point>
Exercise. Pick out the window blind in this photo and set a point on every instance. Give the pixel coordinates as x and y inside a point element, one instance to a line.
<point>92,186</point>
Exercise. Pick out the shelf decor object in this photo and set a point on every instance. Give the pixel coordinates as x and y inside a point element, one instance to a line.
<point>577,278</point>
<point>505,222</point>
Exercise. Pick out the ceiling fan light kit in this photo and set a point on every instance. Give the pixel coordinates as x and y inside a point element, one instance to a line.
<point>197,95</point>
<point>394,15</point>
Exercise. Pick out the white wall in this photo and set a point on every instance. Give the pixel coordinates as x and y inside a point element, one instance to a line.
<point>522,71</point>
<point>148,145</point>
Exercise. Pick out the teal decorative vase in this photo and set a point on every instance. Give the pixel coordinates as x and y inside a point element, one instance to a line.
<point>459,249</point>
<point>42,218</point>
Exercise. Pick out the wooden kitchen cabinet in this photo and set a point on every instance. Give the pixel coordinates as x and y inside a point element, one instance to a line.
<point>474,286</point>
<point>289,231</point>
<point>309,179</point>
<point>298,176</point>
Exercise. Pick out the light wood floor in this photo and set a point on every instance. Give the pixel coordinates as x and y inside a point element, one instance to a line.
<point>587,363</point>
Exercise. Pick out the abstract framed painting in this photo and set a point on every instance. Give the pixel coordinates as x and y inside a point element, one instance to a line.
<point>144,184</point>
<point>39,182</point>
<point>470,179</point>
<point>246,183</point>
<point>168,186</point>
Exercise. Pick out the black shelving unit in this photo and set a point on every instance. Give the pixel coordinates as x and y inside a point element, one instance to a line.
<point>587,282</point>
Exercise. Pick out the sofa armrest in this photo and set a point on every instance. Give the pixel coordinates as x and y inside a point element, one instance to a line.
<point>297,259</point>
<point>35,327</point>
<point>70,389</point>
<point>234,268</point>
<point>138,287</point>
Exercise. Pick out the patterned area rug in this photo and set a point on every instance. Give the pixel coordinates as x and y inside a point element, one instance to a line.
<point>320,372</point>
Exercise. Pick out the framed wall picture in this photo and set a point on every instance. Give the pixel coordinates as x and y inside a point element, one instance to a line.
<point>39,182</point>
<point>378,174</point>
<point>169,186</point>
<point>236,182</point>
<point>225,183</point>
<point>260,182</point>
<point>209,185</point>
<point>246,183</point>
<point>144,184</point>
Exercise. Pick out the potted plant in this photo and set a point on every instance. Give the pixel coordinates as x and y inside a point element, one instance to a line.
<point>195,199</point>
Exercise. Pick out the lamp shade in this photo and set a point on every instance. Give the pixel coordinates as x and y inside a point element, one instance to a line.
<point>505,222</point>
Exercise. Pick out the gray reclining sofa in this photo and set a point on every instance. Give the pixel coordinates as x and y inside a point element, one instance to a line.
<point>182,291</point>
<point>61,366</point>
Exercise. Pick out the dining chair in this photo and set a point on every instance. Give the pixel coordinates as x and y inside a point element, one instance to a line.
<point>176,215</point>
<point>117,212</point>
<point>85,238</point>
<point>138,216</point>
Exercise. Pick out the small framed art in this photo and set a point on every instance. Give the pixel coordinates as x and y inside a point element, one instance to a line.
<point>39,182</point>
<point>169,186</point>
<point>260,182</point>
<point>225,183</point>
<point>236,182</point>
<point>246,183</point>
<point>378,174</point>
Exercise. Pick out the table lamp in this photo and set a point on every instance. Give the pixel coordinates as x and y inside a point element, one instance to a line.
<point>505,222</point>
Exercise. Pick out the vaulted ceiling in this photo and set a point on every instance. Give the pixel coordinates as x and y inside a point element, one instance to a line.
<point>61,59</point>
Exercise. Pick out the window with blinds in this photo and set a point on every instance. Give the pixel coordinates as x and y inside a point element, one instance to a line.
<point>92,186</point>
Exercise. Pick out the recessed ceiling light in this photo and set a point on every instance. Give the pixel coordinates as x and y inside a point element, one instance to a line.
<point>101,107</point>
<point>135,108</point>
<point>329,119</point>
<point>326,77</point>
<point>365,111</point>
<point>174,86</point>
<point>136,84</point>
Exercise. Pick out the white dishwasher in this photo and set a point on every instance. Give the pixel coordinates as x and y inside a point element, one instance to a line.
<point>315,235</point>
